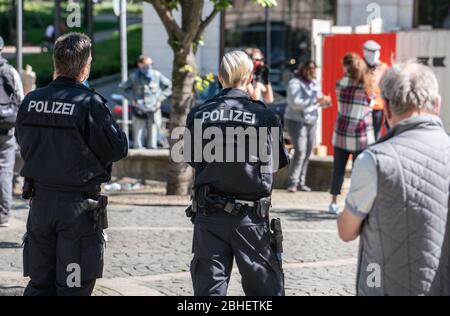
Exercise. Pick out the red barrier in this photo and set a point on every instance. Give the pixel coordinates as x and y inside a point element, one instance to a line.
<point>334,50</point>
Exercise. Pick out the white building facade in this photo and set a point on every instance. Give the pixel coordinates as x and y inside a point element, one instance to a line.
<point>396,14</point>
<point>154,42</point>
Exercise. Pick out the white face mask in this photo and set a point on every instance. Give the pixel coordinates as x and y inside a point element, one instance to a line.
<point>372,57</point>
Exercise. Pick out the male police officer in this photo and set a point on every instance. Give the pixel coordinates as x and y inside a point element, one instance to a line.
<point>11,94</point>
<point>231,197</point>
<point>68,142</point>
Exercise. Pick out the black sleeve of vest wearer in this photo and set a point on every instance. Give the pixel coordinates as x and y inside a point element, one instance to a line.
<point>104,137</point>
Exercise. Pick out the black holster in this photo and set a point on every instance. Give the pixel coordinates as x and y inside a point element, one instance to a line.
<point>27,189</point>
<point>198,202</point>
<point>98,211</point>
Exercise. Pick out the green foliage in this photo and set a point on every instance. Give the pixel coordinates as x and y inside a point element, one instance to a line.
<point>172,4</point>
<point>39,14</point>
<point>222,4</point>
<point>218,4</point>
<point>106,60</point>
<point>186,68</point>
<point>201,83</point>
<point>267,3</point>
<point>226,4</point>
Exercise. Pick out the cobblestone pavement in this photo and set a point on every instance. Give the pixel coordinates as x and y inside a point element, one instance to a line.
<point>149,246</point>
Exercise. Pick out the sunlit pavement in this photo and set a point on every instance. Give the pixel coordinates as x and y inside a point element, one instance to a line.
<point>149,247</point>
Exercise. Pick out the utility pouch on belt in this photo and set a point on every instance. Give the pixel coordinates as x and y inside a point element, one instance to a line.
<point>99,213</point>
<point>262,207</point>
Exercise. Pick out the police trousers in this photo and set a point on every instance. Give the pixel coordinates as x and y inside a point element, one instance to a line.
<point>7,159</point>
<point>63,249</point>
<point>218,239</point>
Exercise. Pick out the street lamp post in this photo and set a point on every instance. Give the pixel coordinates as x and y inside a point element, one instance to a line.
<point>19,35</point>
<point>57,18</point>
<point>124,61</point>
<point>268,38</point>
<point>89,21</point>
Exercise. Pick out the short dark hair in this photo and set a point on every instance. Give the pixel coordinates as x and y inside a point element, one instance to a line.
<point>307,68</point>
<point>71,53</point>
<point>142,59</point>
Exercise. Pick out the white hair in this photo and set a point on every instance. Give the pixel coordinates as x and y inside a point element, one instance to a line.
<point>410,86</point>
<point>236,68</point>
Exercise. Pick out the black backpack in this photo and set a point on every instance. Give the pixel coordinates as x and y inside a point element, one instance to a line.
<point>9,100</point>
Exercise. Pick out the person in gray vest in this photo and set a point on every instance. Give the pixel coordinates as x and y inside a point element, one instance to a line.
<point>11,94</point>
<point>146,89</point>
<point>399,197</point>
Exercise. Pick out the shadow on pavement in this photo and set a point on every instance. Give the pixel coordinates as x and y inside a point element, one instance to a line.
<point>305,215</point>
<point>11,290</point>
<point>10,245</point>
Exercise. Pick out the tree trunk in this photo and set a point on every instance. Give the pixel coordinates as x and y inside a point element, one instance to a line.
<point>180,175</point>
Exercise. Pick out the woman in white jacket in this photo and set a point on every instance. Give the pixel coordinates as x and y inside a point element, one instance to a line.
<point>304,100</point>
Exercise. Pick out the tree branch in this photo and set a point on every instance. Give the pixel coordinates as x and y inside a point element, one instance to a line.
<point>172,28</point>
<point>204,24</point>
<point>191,18</point>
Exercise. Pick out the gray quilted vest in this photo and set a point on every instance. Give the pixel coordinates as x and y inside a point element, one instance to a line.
<point>404,243</point>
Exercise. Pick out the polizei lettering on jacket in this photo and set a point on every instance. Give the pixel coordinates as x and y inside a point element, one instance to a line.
<point>54,107</point>
<point>229,116</point>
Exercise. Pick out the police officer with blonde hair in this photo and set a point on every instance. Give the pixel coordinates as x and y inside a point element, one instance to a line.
<point>231,194</point>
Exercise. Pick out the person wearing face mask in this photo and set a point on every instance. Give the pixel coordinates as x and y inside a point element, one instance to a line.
<point>304,99</point>
<point>146,89</point>
<point>376,69</point>
<point>68,142</point>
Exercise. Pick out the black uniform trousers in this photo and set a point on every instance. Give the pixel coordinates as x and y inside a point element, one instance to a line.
<point>61,236</point>
<point>220,237</point>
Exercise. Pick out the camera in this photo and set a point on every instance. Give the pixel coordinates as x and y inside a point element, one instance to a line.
<point>262,74</point>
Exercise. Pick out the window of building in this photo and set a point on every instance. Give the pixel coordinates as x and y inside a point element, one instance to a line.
<point>433,12</point>
<point>290,22</point>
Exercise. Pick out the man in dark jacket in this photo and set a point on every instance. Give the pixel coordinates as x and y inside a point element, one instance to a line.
<point>68,142</point>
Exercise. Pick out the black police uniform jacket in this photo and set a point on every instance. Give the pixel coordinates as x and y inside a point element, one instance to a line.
<point>67,137</point>
<point>240,178</point>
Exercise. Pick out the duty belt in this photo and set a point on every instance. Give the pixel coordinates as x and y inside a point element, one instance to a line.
<point>96,203</point>
<point>206,202</point>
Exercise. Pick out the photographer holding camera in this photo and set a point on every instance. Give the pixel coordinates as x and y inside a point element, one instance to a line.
<point>260,88</point>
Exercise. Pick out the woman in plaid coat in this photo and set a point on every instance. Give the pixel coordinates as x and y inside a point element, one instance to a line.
<point>353,131</point>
